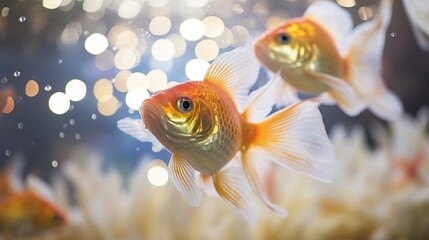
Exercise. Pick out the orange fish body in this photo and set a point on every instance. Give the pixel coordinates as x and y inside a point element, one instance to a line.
<point>30,211</point>
<point>320,53</point>
<point>219,135</point>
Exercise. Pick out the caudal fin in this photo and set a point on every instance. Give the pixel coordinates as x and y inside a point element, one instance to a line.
<point>364,59</point>
<point>295,138</point>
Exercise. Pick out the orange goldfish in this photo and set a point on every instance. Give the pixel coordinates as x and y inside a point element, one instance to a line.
<point>22,210</point>
<point>219,134</point>
<point>320,53</point>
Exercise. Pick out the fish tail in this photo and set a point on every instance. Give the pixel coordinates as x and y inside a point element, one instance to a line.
<point>293,137</point>
<point>364,64</point>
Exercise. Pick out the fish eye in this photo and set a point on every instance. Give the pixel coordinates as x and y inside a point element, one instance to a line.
<point>283,38</point>
<point>184,104</point>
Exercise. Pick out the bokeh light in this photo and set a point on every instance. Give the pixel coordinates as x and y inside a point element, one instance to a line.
<point>160,25</point>
<point>92,6</point>
<point>157,3</point>
<point>31,88</point>
<point>126,39</point>
<point>158,174</point>
<point>225,39</point>
<point>96,43</point>
<point>195,69</point>
<point>240,36</point>
<point>157,80</point>
<point>51,4</point>
<point>108,107</point>
<point>129,9</point>
<point>75,90</point>
<point>179,44</point>
<point>214,26</point>
<point>196,3</point>
<point>192,29</point>
<point>59,103</point>
<point>207,49</point>
<point>10,105</point>
<point>103,90</point>
<point>126,59</point>
<point>162,50</point>
<point>120,82</point>
<point>137,80</point>
<point>135,97</point>
<point>346,3</point>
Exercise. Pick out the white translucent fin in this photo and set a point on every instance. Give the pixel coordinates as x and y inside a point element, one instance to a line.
<point>261,101</point>
<point>295,137</point>
<point>341,92</point>
<point>137,129</point>
<point>236,72</point>
<point>386,105</point>
<point>183,177</point>
<point>39,187</point>
<point>417,11</point>
<point>231,185</point>
<point>256,168</point>
<point>334,19</point>
<point>364,59</point>
<point>11,179</point>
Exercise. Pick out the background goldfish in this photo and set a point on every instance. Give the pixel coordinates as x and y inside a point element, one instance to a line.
<point>23,209</point>
<point>321,53</point>
<point>206,124</point>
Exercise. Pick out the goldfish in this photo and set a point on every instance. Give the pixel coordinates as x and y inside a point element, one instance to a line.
<point>322,54</point>
<point>223,139</point>
<point>22,209</point>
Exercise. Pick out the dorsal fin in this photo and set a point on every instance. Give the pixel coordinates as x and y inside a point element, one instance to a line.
<point>334,19</point>
<point>236,72</point>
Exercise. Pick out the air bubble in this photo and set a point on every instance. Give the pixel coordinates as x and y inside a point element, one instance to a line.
<point>94,116</point>
<point>48,88</point>
<point>61,134</point>
<point>17,74</point>
<point>60,61</point>
<point>72,121</point>
<point>137,149</point>
<point>22,19</point>
<point>8,152</point>
<point>54,164</point>
<point>20,125</point>
<point>3,80</point>
<point>77,136</point>
<point>394,34</point>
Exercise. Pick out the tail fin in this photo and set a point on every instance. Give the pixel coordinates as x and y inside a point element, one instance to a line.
<point>364,59</point>
<point>295,138</point>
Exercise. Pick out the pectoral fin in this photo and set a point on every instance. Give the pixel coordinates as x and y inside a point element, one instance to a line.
<point>183,177</point>
<point>230,184</point>
<point>137,129</point>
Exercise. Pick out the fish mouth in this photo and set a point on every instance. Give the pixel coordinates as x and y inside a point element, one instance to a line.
<point>264,55</point>
<point>152,115</point>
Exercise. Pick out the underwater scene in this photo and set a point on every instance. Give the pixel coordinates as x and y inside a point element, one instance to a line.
<point>214,119</point>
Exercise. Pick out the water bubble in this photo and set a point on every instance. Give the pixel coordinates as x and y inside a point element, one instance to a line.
<point>3,80</point>
<point>393,34</point>
<point>71,107</point>
<point>130,111</point>
<point>85,33</point>
<point>20,125</point>
<point>18,99</point>
<point>94,116</point>
<point>72,121</point>
<point>8,152</point>
<point>48,88</point>
<point>65,125</point>
<point>137,149</point>
<point>54,163</point>
<point>22,19</point>
<point>61,134</point>
<point>60,61</point>
<point>77,136</point>
<point>17,74</point>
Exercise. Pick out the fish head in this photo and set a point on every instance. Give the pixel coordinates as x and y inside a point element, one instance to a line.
<point>179,116</point>
<point>290,45</point>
